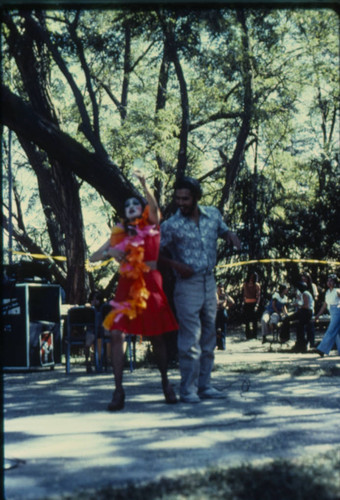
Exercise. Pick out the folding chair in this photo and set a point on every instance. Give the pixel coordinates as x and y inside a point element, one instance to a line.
<point>78,320</point>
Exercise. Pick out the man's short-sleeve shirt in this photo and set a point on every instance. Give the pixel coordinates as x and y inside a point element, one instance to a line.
<point>192,244</point>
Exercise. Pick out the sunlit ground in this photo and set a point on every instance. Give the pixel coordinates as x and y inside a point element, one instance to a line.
<point>278,406</point>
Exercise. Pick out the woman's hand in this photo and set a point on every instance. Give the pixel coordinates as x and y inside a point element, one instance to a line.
<point>154,212</point>
<point>140,176</point>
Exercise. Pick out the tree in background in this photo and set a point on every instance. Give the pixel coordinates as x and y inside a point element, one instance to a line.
<point>220,94</point>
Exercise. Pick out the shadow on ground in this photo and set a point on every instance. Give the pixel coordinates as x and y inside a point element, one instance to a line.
<point>275,436</point>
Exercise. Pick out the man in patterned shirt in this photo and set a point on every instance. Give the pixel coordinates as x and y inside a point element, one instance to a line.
<point>190,237</point>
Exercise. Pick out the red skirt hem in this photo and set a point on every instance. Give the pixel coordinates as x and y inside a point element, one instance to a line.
<point>156,319</point>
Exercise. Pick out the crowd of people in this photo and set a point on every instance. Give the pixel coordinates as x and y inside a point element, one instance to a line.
<point>280,313</point>
<point>286,307</point>
<point>187,244</point>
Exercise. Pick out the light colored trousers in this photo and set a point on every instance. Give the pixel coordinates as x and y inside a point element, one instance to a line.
<point>195,302</point>
<point>268,319</point>
<point>332,334</point>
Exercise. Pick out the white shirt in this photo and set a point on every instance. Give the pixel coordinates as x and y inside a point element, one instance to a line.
<point>332,298</point>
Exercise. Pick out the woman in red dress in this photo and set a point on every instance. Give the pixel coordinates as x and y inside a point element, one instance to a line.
<point>140,306</point>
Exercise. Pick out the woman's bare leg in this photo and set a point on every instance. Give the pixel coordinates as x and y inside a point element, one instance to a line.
<point>117,357</point>
<point>117,360</point>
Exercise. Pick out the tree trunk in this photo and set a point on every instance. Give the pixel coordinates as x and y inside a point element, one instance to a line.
<point>171,43</point>
<point>160,104</point>
<point>233,166</point>
<point>58,186</point>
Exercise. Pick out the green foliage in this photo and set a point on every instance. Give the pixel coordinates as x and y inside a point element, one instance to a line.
<point>284,197</point>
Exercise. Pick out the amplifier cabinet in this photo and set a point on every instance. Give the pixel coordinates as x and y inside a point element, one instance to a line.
<point>31,326</point>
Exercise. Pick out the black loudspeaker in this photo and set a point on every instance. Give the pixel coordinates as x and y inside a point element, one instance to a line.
<point>31,326</point>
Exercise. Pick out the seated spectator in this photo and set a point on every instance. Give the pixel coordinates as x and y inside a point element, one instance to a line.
<point>274,312</point>
<point>303,315</point>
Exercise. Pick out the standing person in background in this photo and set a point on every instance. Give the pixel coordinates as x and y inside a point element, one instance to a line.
<point>251,300</point>
<point>332,303</point>
<point>140,306</point>
<point>313,290</point>
<point>223,301</point>
<point>311,286</point>
<point>190,238</point>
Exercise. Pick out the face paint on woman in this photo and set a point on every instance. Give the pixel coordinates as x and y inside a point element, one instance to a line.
<point>133,208</point>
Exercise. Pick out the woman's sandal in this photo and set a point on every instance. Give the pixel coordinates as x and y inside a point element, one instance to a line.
<point>169,394</point>
<point>118,401</point>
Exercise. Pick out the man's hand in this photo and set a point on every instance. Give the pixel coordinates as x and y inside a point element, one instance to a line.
<point>233,240</point>
<point>183,270</point>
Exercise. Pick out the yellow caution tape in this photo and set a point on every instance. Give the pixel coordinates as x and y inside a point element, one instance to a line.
<point>38,255</point>
<point>88,265</point>
<point>92,267</point>
<point>266,261</point>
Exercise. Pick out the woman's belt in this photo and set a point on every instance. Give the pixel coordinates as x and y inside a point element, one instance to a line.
<point>152,264</point>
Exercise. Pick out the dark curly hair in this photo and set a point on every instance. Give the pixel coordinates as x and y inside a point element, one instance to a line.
<point>334,278</point>
<point>190,183</point>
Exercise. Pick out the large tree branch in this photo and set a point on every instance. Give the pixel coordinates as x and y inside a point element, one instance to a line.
<point>100,173</point>
<point>221,115</point>
<point>141,57</point>
<point>20,218</point>
<point>127,70</point>
<point>85,67</point>
<point>113,98</point>
<point>233,166</point>
<point>33,75</point>
<point>182,154</point>
<point>333,122</point>
<point>161,98</point>
<point>170,39</point>
<point>42,35</point>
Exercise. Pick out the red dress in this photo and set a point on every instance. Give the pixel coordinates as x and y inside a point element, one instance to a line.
<point>157,317</point>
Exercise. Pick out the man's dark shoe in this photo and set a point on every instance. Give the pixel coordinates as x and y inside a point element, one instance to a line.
<point>299,349</point>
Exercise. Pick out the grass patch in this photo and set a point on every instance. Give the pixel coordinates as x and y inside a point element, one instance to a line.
<point>315,478</point>
<point>332,371</point>
<point>273,369</point>
<point>325,371</point>
<point>247,368</point>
